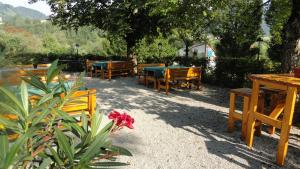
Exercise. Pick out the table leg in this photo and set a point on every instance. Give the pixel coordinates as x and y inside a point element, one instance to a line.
<point>286,124</point>
<point>102,74</point>
<point>145,76</point>
<point>96,71</point>
<point>231,112</point>
<point>245,116</point>
<point>251,116</point>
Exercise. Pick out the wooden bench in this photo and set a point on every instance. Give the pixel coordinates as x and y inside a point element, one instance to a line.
<point>233,116</point>
<point>14,77</point>
<point>140,69</point>
<point>43,65</point>
<point>117,69</point>
<point>175,76</point>
<point>81,102</point>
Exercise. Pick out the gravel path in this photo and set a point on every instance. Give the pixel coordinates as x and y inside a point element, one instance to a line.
<point>185,130</point>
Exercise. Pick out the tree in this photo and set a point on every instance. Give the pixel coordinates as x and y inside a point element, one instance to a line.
<point>128,19</point>
<point>237,25</point>
<point>188,19</point>
<point>284,19</point>
<point>149,51</point>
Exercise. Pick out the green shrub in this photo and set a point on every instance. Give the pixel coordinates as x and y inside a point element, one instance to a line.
<point>233,72</point>
<point>48,136</point>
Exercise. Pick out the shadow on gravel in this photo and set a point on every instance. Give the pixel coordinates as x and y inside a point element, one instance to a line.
<point>124,93</point>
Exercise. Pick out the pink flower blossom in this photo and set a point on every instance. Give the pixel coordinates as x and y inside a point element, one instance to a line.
<point>121,120</point>
<point>114,115</point>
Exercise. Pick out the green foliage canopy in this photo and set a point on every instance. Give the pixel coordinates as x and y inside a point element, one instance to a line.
<point>238,26</point>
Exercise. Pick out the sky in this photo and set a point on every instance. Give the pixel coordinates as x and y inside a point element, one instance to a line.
<point>39,6</point>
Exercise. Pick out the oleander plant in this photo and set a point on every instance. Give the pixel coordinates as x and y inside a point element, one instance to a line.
<point>35,132</point>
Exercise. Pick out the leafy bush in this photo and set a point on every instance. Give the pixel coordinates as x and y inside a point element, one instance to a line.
<point>233,72</point>
<point>47,136</point>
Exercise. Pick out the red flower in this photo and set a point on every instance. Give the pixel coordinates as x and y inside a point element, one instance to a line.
<point>114,115</point>
<point>121,120</point>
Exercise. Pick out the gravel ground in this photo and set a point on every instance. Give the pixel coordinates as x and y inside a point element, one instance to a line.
<point>185,130</point>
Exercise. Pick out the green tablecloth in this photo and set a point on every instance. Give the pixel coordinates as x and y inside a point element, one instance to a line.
<point>159,71</point>
<point>103,64</point>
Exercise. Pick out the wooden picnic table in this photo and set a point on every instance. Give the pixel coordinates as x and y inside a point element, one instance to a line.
<point>157,72</point>
<point>286,82</point>
<point>101,66</point>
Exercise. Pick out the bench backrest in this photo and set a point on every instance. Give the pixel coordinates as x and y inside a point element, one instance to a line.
<point>183,73</point>
<point>14,77</point>
<point>44,65</point>
<point>120,65</point>
<point>141,67</point>
<point>81,101</point>
<point>24,66</point>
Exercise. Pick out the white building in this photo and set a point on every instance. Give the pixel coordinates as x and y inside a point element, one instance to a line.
<point>199,50</point>
<point>1,21</point>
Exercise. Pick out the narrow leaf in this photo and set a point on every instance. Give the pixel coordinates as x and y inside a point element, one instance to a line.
<point>3,146</point>
<point>64,145</point>
<point>24,97</point>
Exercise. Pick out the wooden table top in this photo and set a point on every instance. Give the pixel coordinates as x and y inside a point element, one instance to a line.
<point>283,79</point>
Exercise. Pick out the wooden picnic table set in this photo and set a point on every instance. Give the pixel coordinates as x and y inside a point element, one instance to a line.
<point>165,77</point>
<point>283,89</point>
<point>162,76</point>
<point>107,69</point>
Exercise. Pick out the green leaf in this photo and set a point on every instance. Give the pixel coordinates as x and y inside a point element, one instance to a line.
<point>11,110</point>
<point>24,97</point>
<point>14,149</point>
<point>109,164</point>
<point>55,156</point>
<point>94,149</point>
<point>13,98</point>
<point>3,146</point>
<point>96,121</point>
<point>46,162</point>
<point>76,129</point>
<point>45,98</point>
<point>85,140</point>
<point>36,82</point>
<point>52,71</point>
<point>107,127</point>
<point>65,116</point>
<point>10,125</point>
<point>119,150</point>
<point>64,145</point>
<point>84,122</point>
<point>41,116</point>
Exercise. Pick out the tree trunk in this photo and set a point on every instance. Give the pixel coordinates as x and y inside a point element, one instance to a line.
<point>186,49</point>
<point>130,43</point>
<point>291,38</point>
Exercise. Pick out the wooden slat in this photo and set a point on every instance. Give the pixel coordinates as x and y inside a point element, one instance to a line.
<point>277,111</point>
<point>266,119</point>
<point>237,115</point>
